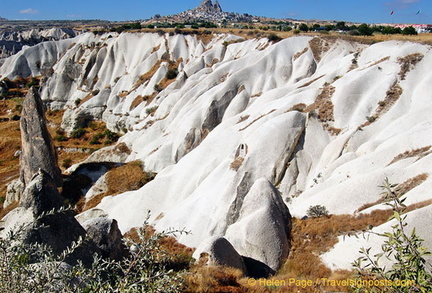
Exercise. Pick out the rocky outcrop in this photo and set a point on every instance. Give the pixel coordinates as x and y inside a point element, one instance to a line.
<point>107,236</point>
<point>207,5</point>
<point>50,222</point>
<point>41,194</point>
<point>220,252</point>
<point>38,151</point>
<point>262,231</point>
<point>217,7</point>
<point>12,42</point>
<point>317,147</point>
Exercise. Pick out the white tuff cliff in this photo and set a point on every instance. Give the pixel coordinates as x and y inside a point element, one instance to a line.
<point>325,121</point>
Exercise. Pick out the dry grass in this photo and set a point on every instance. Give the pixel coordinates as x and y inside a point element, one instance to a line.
<point>243,118</point>
<point>258,32</point>
<point>421,152</point>
<point>145,77</point>
<point>256,119</point>
<point>138,100</point>
<point>379,61</point>
<point>408,63</point>
<point>209,279</point>
<point>310,238</point>
<point>314,236</point>
<point>85,99</point>
<point>323,104</point>
<point>402,189</point>
<point>392,95</point>
<point>411,183</point>
<point>130,176</point>
<point>298,54</point>
<point>319,46</point>
<point>297,107</point>
<point>311,82</point>
<point>325,108</point>
<point>10,142</point>
<point>418,205</point>
<point>169,243</point>
<point>235,165</point>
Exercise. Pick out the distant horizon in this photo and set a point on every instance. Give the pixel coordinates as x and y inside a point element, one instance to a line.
<point>368,11</point>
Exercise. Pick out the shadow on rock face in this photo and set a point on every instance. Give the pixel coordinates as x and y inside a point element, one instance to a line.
<point>257,269</point>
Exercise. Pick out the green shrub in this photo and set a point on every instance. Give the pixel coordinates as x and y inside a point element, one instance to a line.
<point>151,110</point>
<point>157,88</point>
<point>78,133</point>
<point>409,31</point>
<point>34,82</point>
<point>18,108</point>
<point>95,140</point>
<point>405,250</point>
<point>67,163</point>
<point>61,137</point>
<point>111,136</point>
<point>274,38</point>
<point>148,268</point>
<point>171,73</point>
<point>317,211</point>
<point>303,27</point>
<point>365,30</point>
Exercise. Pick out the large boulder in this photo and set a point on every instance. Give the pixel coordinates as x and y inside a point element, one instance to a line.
<point>220,252</point>
<point>41,194</point>
<point>42,219</point>
<point>262,231</point>
<point>107,236</point>
<point>38,151</point>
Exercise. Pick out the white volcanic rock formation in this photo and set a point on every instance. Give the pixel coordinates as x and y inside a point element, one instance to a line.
<point>323,121</point>
<point>12,42</point>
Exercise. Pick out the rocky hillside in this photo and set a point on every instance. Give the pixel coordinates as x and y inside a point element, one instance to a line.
<point>237,129</point>
<point>207,11</point>
<point>12,42</point>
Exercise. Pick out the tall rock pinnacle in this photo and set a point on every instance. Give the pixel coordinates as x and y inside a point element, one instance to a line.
<point>38,151</point>
<point>217,7</point>
<point>208,6</point>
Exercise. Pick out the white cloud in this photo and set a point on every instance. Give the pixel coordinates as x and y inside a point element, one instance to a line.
<point>29,11</point>
<point>401,3</point>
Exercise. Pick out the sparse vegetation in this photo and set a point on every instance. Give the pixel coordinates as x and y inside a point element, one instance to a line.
<point>130,176</point>
<point>235,165</point>
<point>67,163</point>
<point>408,62</point>
<point>402,189</point>
<point>405,250</point>
<point>151,110</point>
<point>319,46</point>
<point>392,95</point>
<point>171,73</point>
<point>151,267</point>
<point>421,152</point>
<point>274,38</point>
<point>78,133</point>
<point>317,211</point>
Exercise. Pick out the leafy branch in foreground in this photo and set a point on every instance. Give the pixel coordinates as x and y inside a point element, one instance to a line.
<point>148,267</point>
<point>410,271</point>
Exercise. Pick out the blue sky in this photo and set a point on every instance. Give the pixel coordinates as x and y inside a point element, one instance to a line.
<point>370,11</point>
